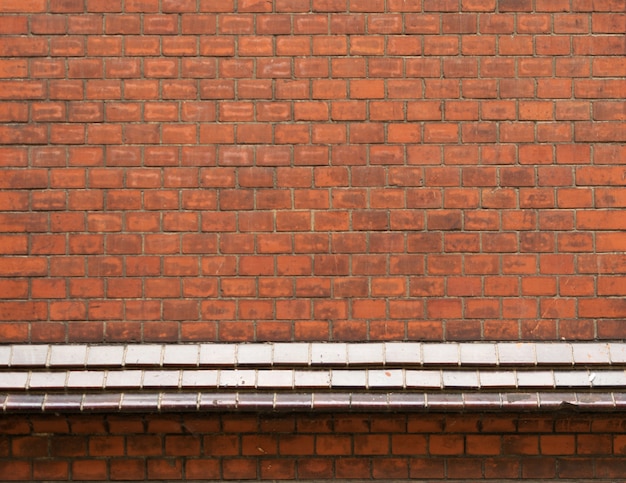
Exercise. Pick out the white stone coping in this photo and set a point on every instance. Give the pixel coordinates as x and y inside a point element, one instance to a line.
<point>304,379</point>
<point>315,354</point>
<point>455,376</point>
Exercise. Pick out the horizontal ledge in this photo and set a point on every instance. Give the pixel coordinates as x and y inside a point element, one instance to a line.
<point>313,378</point>
<point>317,354</point>
<point>311,401</point>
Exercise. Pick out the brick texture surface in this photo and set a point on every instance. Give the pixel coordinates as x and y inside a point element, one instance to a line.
<point>322,447</point>
<point>311,170</point>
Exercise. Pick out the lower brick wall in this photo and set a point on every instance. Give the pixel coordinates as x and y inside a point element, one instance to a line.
<point>313,447</point>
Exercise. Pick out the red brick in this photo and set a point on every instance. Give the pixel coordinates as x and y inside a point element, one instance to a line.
<point>89,469</point>
<point>164,468</point>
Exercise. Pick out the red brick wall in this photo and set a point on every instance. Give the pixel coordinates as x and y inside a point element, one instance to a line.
<point>426,447</point>
<point>312,170</point>
<point>224,170</point>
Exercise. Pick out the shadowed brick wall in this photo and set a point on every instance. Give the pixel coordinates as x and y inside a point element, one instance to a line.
<point>227,170</point>
<point>385,447</point>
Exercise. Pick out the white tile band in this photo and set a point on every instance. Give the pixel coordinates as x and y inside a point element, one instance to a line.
<point>317,354</point>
